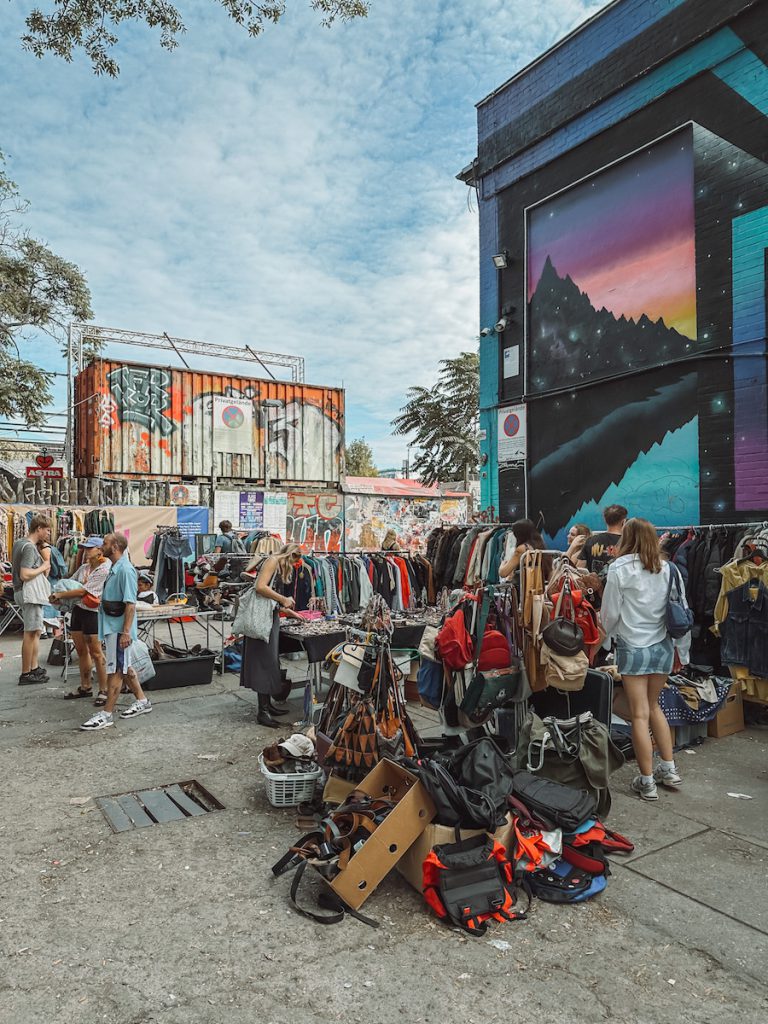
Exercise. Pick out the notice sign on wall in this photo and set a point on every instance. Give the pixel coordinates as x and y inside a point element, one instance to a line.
<point>251,510</point>
<point>232,425</point>
<point>512,432</point>
<point>276,514</point>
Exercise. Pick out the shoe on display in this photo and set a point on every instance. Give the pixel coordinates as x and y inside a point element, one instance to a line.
<point>645,790</point>
<point>667,777</point>
<point>139,707</point>
<point>101,720</point>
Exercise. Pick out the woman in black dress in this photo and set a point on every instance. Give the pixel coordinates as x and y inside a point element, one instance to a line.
<point>261,660</point>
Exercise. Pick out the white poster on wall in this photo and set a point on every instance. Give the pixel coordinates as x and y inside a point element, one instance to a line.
<point>232,425</point>
<point>512,432</point>
<point>276,514</point>
<point>226,505</point>
<point>512,361</point>
<point>185,494</point>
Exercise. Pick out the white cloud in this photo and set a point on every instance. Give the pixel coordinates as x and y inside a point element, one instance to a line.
<point>295,192</point>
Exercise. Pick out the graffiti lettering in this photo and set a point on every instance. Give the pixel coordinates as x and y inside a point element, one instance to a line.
<point>107,412</point>
<point>142,397</point>
<point>315,521</point>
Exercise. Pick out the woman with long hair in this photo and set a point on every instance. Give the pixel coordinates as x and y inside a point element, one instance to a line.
<point>527,539</point>
<point>634,613</point>
<point>261,658</point>
<point>577,538</point>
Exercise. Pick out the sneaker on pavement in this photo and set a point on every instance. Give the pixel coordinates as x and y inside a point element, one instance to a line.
<point>667,777</point>
<point>39,673</point>
<point>101,720</point>
<point>645,790</point>
<point>29,678</point>
<point>139,707</point>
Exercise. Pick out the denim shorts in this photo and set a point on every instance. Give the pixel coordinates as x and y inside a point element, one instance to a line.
<point>645,661</point>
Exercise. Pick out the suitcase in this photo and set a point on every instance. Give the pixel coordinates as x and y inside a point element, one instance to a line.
<point>597,697</point>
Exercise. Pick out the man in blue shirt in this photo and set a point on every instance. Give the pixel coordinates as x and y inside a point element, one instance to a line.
<point>117,628</point>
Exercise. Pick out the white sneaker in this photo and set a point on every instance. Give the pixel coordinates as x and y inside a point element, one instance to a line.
<point>101,720</point>
<point>667,777</point>
<point>139,707</point>
<point>645,790</point>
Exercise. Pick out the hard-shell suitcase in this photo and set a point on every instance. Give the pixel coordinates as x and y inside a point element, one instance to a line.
<point>596,696</point>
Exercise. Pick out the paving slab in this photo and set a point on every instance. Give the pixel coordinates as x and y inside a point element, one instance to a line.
<point>717,870</point>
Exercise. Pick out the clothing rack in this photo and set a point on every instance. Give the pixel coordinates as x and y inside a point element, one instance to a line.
<point>711,526</point>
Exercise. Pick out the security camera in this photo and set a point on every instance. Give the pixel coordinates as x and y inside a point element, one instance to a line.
<point>501,325</point>
<point>486,331</point>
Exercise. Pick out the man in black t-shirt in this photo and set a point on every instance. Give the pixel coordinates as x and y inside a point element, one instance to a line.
<point>600,548</point>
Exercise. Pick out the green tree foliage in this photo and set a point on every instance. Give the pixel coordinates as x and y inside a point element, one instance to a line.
<point>91,25</point>
<point>359,459</point>
<point>38,291</point>
<point>443,421</point>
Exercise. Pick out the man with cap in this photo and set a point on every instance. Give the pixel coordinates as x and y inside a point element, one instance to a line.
<point>85,588</point>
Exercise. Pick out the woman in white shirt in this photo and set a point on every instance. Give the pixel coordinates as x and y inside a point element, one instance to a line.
<point>633,612</point>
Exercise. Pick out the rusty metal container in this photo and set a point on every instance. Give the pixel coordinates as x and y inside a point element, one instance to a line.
<point>152,422</point>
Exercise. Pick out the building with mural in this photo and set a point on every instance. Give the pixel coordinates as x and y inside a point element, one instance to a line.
<point>622,181</point>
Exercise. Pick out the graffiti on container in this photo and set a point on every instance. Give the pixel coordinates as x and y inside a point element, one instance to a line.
<point>315,521</point>
<point>142,395</point>
<point>107,412</point>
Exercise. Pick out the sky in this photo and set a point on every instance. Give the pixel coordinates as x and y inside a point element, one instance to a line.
<point>295,192</point>
<point>629,244</point>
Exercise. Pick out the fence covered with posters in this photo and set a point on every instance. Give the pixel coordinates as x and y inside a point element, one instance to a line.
<point>143,422</point>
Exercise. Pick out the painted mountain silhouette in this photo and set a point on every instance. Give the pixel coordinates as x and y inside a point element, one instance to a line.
<point>571,341</point>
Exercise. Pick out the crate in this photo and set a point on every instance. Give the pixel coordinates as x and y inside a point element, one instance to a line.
<point>195,670</point>
<point>289,790</point>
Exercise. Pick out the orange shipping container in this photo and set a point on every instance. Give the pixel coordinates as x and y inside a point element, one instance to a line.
<point>157,423</point>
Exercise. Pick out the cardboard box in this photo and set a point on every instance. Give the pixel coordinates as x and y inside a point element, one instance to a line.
<point>337,789</point>
<point>384,848</point>
<point>730,717</point>
<point>411,863</point>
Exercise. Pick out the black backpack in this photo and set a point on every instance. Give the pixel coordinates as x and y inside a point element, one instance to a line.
<point>558,805</point>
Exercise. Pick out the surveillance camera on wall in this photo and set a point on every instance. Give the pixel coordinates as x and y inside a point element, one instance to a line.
<point>501,325</point>
<point>486,331</point>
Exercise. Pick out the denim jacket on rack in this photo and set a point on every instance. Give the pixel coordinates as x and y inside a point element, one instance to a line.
<point>745,629</point>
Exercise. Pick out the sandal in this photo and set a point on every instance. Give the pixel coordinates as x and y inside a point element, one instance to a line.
<point>76,694</point>
<point>101,699</point>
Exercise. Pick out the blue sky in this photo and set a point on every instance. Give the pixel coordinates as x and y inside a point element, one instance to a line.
<point>295,192</point>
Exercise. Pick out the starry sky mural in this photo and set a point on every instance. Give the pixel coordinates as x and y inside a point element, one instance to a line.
<point>626,236</point>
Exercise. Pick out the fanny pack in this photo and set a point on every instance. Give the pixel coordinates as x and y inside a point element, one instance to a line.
<point>113,608</point>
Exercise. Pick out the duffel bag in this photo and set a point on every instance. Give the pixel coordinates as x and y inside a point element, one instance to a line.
<point>561,806</point>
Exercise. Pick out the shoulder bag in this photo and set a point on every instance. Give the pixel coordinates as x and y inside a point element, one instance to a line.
<point>679,615</point>
<point>254,616</point>
<point>36,591</point>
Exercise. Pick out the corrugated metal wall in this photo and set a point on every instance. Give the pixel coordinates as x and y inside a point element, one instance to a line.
<point>137,421</point>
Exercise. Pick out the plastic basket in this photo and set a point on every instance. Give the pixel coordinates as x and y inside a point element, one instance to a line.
<point>289,790</point>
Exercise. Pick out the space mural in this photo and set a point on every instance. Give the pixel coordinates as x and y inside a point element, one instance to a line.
<point>611,281</point>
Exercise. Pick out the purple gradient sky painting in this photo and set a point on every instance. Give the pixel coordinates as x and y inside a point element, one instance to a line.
<point>626,236</point>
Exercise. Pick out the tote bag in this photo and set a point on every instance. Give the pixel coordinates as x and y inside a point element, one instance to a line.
<point>254,616</point>
<point>36,591</point>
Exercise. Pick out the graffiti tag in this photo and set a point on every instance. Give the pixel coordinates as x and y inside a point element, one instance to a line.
<point>142,396</point>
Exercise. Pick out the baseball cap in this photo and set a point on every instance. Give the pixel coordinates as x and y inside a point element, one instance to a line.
<point>298,745</point>
<point>93,542</point>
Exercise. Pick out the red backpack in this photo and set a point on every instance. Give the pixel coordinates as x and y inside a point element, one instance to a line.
<point>453,643</point>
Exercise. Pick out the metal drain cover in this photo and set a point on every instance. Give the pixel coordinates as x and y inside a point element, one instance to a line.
<point>145,807</point>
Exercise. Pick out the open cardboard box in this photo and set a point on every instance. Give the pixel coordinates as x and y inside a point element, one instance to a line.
<point>383,849</point>
<point>411,863</point>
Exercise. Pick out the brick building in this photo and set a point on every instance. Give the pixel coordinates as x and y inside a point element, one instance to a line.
<point>623,179</point>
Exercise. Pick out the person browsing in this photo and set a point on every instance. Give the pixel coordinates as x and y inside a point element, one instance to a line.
<point>27,564</point>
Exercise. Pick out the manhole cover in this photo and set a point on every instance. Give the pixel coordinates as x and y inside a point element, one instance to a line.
<point>145,807</point>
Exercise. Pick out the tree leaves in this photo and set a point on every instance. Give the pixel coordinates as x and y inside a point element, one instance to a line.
<point>91,25</point>
<point>38,290</point>
<point>359,459</point>
<point>443,421</point>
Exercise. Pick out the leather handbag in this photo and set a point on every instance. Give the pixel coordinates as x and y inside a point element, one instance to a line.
<point>563,635</point>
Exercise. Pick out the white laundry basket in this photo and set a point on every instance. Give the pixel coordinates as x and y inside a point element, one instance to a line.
<point>289,790</point>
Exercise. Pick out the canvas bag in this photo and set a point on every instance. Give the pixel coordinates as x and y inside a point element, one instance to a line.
<point>564,671</point>
<point>254,616</point>
<point>141,662</point>
<point>36,591</point>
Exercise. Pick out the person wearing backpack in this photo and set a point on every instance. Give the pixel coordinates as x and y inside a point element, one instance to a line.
<point>636,613</point>
<point>227,542</point>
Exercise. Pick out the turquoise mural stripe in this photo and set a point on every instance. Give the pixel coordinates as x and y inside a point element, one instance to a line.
<point>747,75</point>
<point>750,416</point>
<point>703,56</point>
